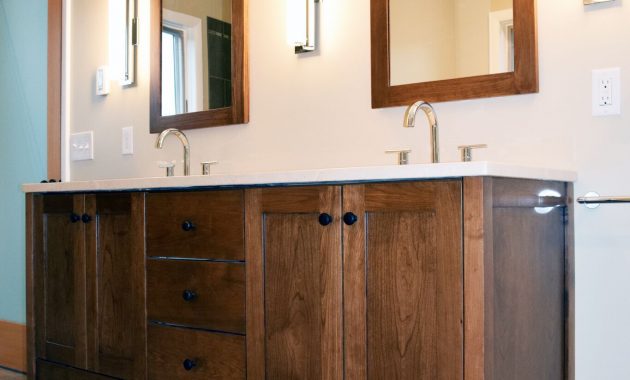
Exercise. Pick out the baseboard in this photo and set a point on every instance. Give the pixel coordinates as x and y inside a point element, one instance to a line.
<point>13,346</point>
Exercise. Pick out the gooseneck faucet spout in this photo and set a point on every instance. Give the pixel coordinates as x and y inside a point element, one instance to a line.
<point>183,139</point>
<point>410,122</point>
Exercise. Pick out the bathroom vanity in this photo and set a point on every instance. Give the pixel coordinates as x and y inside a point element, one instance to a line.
<point>443,271</point>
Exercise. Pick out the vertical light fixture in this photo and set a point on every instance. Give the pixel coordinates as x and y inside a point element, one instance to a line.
<point>301,24</point>
<point>123,40</point>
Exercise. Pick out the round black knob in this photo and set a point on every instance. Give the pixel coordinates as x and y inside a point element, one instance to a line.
<point>349,218</point>
<point>189,364</point>
<point>189,295</point>
<point>74,218</point>
<point>187,225</point>
<point>86,218</point>
<point>325,219</point>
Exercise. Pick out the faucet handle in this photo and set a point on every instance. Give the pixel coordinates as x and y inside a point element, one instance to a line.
<point>205,167</point>
<point>467,151</point>
<point>403,155</point>
<point>169,166</point>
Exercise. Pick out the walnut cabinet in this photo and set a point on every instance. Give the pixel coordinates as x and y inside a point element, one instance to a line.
<point>464,278</point>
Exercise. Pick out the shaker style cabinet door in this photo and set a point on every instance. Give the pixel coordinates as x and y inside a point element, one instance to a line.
<point>115,284</point>
<point>59,280</point>
<point>294,258</point>
<point>403,286</point>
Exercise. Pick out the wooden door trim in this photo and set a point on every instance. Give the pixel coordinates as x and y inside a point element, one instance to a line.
<point>13,347</point>
<point>55,33</point>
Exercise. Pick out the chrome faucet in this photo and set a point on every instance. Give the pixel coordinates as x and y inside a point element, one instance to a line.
<point>182,137</point>
<point>410,122</point>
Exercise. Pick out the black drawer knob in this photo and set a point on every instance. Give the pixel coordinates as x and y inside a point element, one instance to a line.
<point>325,219</point>
<point>349,218</point>
<point>189,295</point>
<point>187,225</point>
<point>74,218</point>
<point>189,364</point>
<point>86,218</point>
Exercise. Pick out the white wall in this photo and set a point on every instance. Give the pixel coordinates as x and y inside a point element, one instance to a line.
<point>314,111</point>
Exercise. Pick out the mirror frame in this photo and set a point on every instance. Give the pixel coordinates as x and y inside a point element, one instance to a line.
<point>238,113</point>
<point>523,80</point>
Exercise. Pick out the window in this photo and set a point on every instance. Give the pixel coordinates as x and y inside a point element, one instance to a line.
<point>173,82</point>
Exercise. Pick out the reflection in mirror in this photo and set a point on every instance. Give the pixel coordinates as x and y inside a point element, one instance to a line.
<point>196,55</point>
<point>433,40</point>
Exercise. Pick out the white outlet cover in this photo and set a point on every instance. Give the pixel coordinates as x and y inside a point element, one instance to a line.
<point>613,76</point>
<point>127,141</point>
<point>82,146</point>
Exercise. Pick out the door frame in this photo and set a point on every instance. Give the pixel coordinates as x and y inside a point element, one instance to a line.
<point>55,48</point>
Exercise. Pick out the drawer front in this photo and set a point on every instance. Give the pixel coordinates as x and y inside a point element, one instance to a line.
<point>196,225</point>
<point>51,371</point>
<point>176,353</point>
<point>206,295</point>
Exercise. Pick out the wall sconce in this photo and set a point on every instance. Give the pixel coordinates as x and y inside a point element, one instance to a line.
<point>123,40</point>
<point>589,2</point>
<point>301,24</point>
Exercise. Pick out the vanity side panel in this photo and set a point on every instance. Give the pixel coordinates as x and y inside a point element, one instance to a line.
<point>528,285</point>
<point>569,272</point>
<point>30,287</point>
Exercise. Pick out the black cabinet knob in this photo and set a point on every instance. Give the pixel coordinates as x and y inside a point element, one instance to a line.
<point>325,219</point>
<point>189,364</point>
<point>189,295</point>
<point>349,218</point>
<point>187,225</point>
<point>74,218</point>
<point>86,218</point>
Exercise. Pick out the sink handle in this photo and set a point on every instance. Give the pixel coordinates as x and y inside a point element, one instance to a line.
<point>403,155</point>
<point>169,166</point>
<point>467,151</point>
<point>205,167</point>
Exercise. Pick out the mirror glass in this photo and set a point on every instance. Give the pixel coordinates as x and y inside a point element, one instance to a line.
<point>433,40</point>
<point>196,55</point>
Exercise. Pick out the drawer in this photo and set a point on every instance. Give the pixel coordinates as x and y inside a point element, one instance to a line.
<point>206,295</point>
<point>207,224</point>
<point>52,371</point>
<point>176,353</point>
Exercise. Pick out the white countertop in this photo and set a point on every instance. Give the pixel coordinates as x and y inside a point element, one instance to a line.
<point>313,176</point>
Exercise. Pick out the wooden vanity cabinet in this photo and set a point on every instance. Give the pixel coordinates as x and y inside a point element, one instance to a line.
<point>88,284</point>
<point>447,279</point>
<point>464,278</point>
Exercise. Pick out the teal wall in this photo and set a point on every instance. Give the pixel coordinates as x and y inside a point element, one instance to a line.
<point>23,56</point>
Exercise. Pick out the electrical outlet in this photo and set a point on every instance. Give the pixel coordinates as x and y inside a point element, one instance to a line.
<point>81,146</point>
<point>606,92</point>
<point>127,141</point>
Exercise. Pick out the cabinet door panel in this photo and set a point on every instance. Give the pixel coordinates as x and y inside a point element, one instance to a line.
<point>403,298</point>
<point>60,279</point>
<point>301,264</point>
<point>116,284</point>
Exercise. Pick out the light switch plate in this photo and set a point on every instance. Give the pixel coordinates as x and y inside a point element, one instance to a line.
<point>102,81</point>
<point>606,92</point>
<point>127,141</point>
<point>82,146</point>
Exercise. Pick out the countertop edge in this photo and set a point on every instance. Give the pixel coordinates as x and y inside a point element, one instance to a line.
<point>311,177</point>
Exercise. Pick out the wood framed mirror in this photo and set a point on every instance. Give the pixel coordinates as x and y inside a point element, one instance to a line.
<point>199,64</point>
<point>410,63</point>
